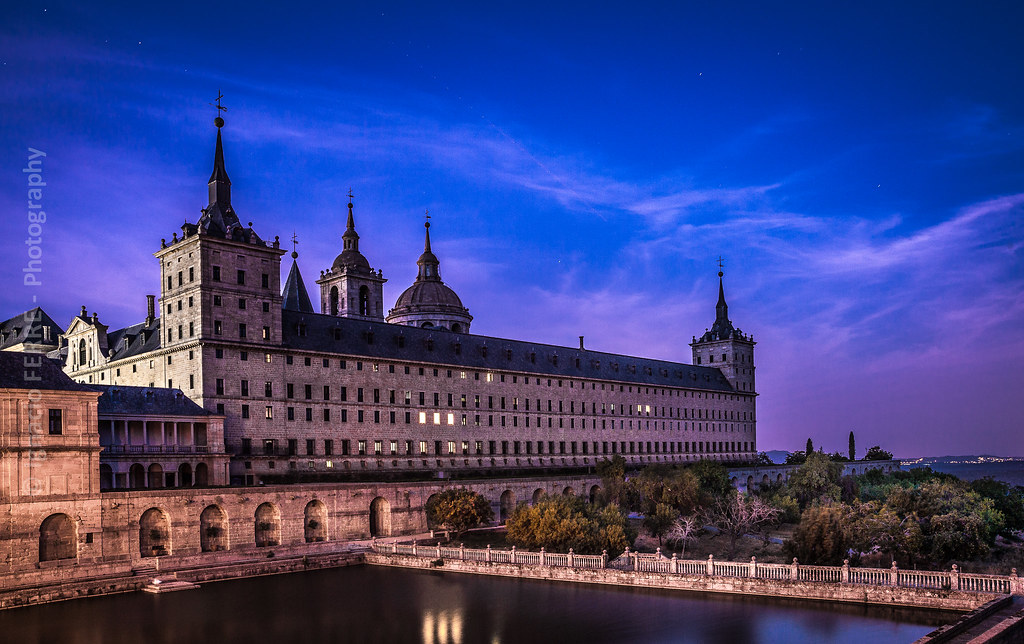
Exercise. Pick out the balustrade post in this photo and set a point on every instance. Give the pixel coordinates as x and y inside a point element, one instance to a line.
<point>439,550</point>
<point>488,553</point>
<point>572,563</point>
<point>753,566</point>
<point>894,575</point>
<point>675,564</point>
<point>513,554</point>
<point>954,578</point>
<point>657,553</point>
<point>462,551</point>
<point>711,564</point>
<point>543,557</point>
<point>413,547</point>
<point>604,560</point>
<point>794,570</point>
<point>844,574</point>
<point>1016,583</point>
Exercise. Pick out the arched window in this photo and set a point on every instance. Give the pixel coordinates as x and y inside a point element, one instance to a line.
<point>364,300</point>
<point>213,529</point>
<point>380,517</point>
<point>315,528</point>
<point>154,533</point>
<point>457,328</point>
<point>334,300</point>
<point>58,538</point>
<point>202,475</point>
<point>268,525</point>
<point>506,505</point>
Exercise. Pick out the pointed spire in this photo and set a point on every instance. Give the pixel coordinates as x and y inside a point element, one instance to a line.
<point>350,238</point>
<point>295,297</point>
<point>721,309</point>
<point>428,262</point>
<point>219,184</point>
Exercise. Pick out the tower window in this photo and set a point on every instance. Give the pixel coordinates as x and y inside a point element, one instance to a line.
<point>241,277</point>
<point>266,281</point>
<point>216,273</point>
<point>56,422</point>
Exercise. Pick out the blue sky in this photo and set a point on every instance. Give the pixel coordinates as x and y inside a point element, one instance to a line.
<point>860,169</point>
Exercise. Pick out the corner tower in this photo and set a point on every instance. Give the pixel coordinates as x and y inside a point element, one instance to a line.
<point>350,288</point>
<point>429,303</point>
<point>219,282</point>
<point>726,347</point>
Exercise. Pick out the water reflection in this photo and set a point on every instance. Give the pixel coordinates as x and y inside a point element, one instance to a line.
<point>369,604</point>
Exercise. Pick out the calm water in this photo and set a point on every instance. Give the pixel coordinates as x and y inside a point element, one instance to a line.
<point>373,604</point>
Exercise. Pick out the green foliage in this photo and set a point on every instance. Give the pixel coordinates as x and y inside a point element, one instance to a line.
<point>458,510</point>
<point>810,447</point>
<point>613,479</point>
<point>558,523</point>
<point>817,480</point>
<point>737,514</point>
<point>678,488</point>
<point>778,496</point>
<point>659,522</point>
<point>823,536</point>
<point>796,458</point>
<point>1008,499</point>
<point>763,459</point>
<point>876,453</point>
<point>837,457</point>
<point>853,448</point>
<point>713,479</point>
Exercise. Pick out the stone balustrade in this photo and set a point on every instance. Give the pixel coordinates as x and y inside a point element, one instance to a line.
<point>952,579</point>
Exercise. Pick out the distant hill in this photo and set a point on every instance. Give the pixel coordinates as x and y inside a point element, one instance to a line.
<point>778,456</point>
<point>971,459</point>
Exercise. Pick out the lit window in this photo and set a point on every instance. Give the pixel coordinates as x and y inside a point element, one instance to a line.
<point>451,447</point>
<point>451,419</point>
<point>490,377</point>
<point>437,418</point>
<point>329,464</point>
<point>423,417</point>
<point>423,447</point>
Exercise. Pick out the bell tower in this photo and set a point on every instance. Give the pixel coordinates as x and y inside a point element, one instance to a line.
<point>350,288</point>
<point>726,347</point>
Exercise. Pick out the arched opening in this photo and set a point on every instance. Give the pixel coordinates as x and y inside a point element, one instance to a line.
<point>268,525</point>
<point>213,529</point>
<point>732,481</point>
<point>594,492</point>
<point>456,328</point>
<point>184,475</point>
<point>506,505</point>
<point>136,476</point>
<point>380,517</point>
<point>537,494</point>
<point>427,325</point>
<point>156,475</point>
<point>334,300</point>
<point>778,479</point>
<point>316,521</point>
<point>154,533</point>
<point>568,491</point>
<point>106,477</point>
<point>430,524</point>
<point>202,474</point>
<point>765,480</point>
<point>364,300</point>
<point>58,538</point>
<point>750,483</point>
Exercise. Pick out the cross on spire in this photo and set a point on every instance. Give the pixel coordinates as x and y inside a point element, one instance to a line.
<point>295,241</point>
<point>721,265</point>
<point>220,108</point>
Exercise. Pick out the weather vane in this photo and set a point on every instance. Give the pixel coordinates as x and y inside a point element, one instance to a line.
<point>350,195</point>
<point>295,244</point>
<point>220,108</point>
<point>721,264</point>
<point>426,215</point>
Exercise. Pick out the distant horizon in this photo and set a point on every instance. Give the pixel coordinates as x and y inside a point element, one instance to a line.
<point>860,169</point>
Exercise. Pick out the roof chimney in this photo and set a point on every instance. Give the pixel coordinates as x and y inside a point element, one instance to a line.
<point>150,309</point>
<point>581,343</point>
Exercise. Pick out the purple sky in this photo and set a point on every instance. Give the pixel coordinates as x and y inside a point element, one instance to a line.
<point>861,171</point>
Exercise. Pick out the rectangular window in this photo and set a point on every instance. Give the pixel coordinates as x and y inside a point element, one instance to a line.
<point>327,415</point>
<point>291,413</point>
<point>378,447</point>
<point>246,445</point>
<point>270,411</point>
<point>394,447</point>
<point>220,386</point>
<point>265,281</point>
<point>56,422</point>
<point>241,303</point>
<point>268,389</point>
<point>310,446</point>
<point>328,447</point>
<point>216,273</point>
<point>309,414</point>
<point>242,331</point>
<point>241,277</point>
<point>245,387</point>
<point>327,392</point>
<point>245,411</point>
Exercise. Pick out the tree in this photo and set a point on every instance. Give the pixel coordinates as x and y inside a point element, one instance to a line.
<point>853,448</point>
<point>876,453</point>
<point>562,522</point>
<point>763,459</point>
<point>739,514</point>
<point>659,522</point>
<point>810,447</point>
<point>1008,499</point>
<point>796,458</point>
<point>823,535</point>
<point>816,480</point>
<point>683,531</point>
<point>458,510</point>
<point>613,478</point>
<point>713,478</point>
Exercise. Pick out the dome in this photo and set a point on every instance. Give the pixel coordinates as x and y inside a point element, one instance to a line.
<point>350,259</point>
<point>429,296</point>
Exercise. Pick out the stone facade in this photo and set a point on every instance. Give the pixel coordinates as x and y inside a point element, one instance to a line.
<point>309,396</point>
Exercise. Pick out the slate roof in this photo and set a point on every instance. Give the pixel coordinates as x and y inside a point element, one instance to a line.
<point>148,401</point>
<point>133,340</point>
<point>349,336</point>
<point>295,297</point>
<point>34,371</point>
<point>28,327</point>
